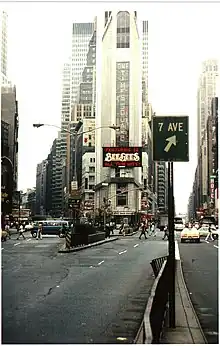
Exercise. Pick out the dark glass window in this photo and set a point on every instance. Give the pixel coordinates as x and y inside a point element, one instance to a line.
<point>122,195</point>
<point>123,30</point>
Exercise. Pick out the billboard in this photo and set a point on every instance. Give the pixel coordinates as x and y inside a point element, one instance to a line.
<point>24,213</point>
<point>122,102</point>
<point>122,156</point>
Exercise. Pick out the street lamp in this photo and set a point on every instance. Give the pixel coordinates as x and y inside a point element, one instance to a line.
<point>76,134</point>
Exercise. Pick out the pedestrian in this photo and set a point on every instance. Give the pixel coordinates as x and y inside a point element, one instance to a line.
<point>121,229</point>
<point>7,229</point>
<point>153,229</point>
<point>166,233</point>
<point>21,232</point>
<point>143,230</point>
<point>40,231</point>
<point>209,235</point>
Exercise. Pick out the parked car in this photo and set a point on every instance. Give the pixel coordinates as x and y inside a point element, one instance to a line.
<point>190,234</point>
<point>50,227</point>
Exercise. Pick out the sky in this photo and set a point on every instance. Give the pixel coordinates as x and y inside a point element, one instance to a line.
<point>181,36</point>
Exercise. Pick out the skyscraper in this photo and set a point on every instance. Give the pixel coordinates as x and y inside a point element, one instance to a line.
<point>81,36</point>
<point>4,45</point>
<point>118,101</point>
<point>206,91</point>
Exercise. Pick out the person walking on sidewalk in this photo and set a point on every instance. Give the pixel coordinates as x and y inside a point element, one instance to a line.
<point>21,232</point>
<point>143,230</point>
<point>166,233</point>
<point>209,235</point>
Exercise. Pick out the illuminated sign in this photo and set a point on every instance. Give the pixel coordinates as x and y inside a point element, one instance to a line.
<point>122,156</point>
<point>212,189</point>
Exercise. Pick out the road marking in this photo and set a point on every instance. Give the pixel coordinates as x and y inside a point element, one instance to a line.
<point>215,246</point>
<point>100,263</point>
<point>207,241</point>
<point>120,253</point>
<point>29,239</point>
<point>212,333</point>
<point>136,245</point>
<point>2,248</point>
<point>17,244</point>
<point>91,267</point>
<point>58,286</point>
<point>121,339</point>
<point>177,253</point>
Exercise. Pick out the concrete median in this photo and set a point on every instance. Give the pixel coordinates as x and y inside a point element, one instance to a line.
<point>63,248</point>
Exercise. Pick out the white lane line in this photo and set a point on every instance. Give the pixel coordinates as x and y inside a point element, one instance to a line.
<point>58,286</point>
<point>215,246</point>
<point>91,267</point>
<point>100,263</point>
<point>29,239</point>
<point>136,245</point>
<point>17,244</point>
<point>207,241</point>
<point>177,253</point>
<point>120,253</point>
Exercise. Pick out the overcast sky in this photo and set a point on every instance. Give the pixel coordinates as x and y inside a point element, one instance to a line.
<point>181,36</point>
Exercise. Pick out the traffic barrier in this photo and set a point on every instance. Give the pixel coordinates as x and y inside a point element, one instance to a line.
<point>151,327</point>
<point>157,264</point>
<point>68,240</point>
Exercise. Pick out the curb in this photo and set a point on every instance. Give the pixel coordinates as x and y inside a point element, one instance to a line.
<point>64,250</point>
<point>191,307</point>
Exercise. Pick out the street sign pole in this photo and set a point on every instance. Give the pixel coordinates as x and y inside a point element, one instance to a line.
<point>171,257</point>
<point>171,144</point>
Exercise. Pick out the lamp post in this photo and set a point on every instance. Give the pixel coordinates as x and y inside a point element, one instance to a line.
<point>76,135</point>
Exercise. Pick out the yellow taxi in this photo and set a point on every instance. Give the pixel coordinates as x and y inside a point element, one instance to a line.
<point>190,234</point>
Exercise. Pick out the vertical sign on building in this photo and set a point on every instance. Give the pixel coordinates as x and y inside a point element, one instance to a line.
<point>212,189</point>
<point>122,103</point>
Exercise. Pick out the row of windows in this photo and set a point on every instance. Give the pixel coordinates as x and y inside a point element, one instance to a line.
<point>123,30</point>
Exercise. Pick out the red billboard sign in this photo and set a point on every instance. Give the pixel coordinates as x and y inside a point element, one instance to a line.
<point>122,156</point>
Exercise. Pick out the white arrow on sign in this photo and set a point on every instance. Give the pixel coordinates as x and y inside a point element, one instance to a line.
<point>171,141</point>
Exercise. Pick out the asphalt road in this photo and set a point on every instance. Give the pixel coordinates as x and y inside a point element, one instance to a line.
<point>92,296</point>
<point>200,269</point>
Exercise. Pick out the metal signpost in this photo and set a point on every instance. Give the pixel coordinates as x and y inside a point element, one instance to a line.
<point>171,144</point>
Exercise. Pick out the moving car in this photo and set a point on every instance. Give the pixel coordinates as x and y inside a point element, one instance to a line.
<point>190,234</point>
<point>53,227</point>
<point>203,231</point>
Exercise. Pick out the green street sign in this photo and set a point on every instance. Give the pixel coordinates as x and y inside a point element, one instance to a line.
<point>171,138</point>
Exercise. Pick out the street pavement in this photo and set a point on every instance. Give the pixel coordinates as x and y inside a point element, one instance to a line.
<point>93,296</point>
<point>200,269</point>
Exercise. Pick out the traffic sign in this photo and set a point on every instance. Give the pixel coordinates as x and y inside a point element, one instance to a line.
<point>170,138</point>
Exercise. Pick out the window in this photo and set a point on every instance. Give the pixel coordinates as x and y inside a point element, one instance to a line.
<point>122,194</point>
<point>123,30</point>
<point>91,169</point>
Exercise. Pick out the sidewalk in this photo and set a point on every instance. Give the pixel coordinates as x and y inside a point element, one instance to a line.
<point>79,248</point>
<point>188,329</point>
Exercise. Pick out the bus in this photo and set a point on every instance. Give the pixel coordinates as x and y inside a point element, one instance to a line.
<point>178,223</point>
